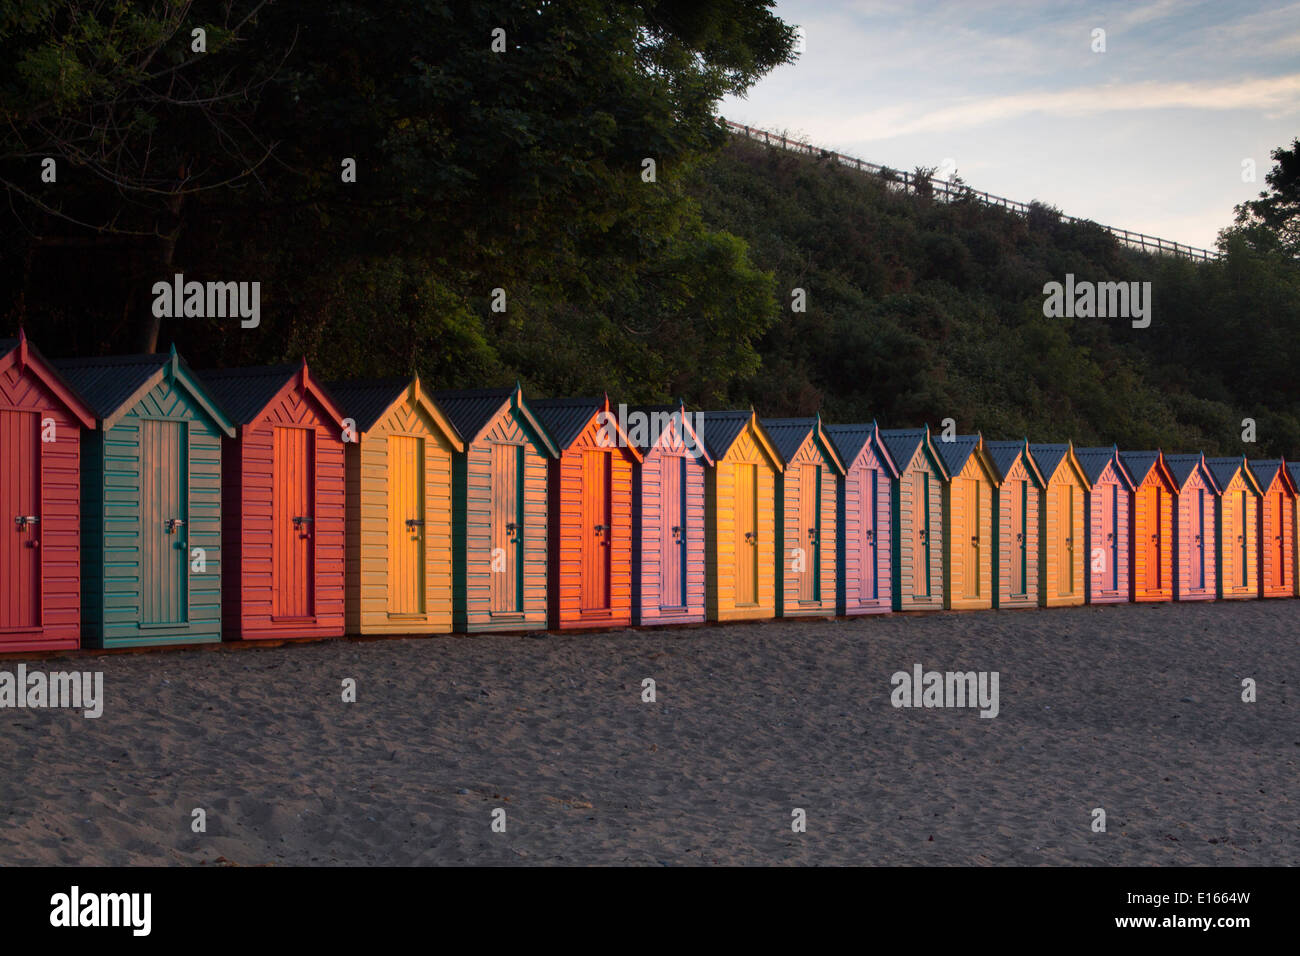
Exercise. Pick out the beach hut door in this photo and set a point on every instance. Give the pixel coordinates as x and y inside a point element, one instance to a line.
<point>20,501</point>
<point>596,466</point>
<point>1238,525</point>
<point>1016,528</point>
<point>405,524</point>
<point>969,541</point>
<point>164,554</point>
<point>1198,550</point>
<point>1151,509</point>
<point>1279,540</point>
<point>672,531</point>
<point>293,519</point>
<point>921,533</point>
<point>746,533</point>
<point>867,573</point>
<point>1065,540</point>
<point>507,528</point>
<point>809,532</point>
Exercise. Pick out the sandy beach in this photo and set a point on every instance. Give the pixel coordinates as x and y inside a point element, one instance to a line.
<point>1133,709</point>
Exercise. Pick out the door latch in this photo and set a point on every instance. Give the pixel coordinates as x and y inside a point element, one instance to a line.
<point>413,523</point>
<point>21,522</point>
<point>174,524</point>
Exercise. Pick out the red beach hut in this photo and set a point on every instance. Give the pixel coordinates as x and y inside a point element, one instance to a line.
<point>863,520</point>
<point>1194,533</point>
<point>1276,528</point>
<point>1108,534</point>
<point>589,491</point>
<point>668,516</point>
<point>282,488</point>
<point>1153,525</point>
<point>41,419</point>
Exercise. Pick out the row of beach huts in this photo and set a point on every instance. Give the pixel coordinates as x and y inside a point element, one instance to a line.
<point>145,504</point>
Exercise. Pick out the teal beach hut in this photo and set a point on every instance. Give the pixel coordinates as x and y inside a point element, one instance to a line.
<point>150,502</point>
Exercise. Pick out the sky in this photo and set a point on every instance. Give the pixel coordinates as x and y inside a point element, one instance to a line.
<point>1149,135</point>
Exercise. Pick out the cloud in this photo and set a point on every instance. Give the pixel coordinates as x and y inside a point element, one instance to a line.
<point>1274,96</point>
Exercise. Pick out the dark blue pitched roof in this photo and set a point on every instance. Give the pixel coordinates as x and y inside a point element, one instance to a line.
<point>245,392</point>
<point>1139,463</point>
<point>1004,455</point>
<point>1182,467</point>
<point>1093,461</point>
<point>721,429</point>
<point>788,434</point>
<point>1048,458</point>
<point>364,400</point>
<point>109,381</point>
<point>849,440</point>
<point>902,443</point>
<point>565,418</point>
<point>1264,470</point>
<point>956,451</point>
<point>1223,470</point>
<point>471,409</point>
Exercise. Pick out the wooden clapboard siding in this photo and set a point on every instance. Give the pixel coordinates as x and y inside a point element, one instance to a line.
<point>1195,551</point>
<point>916,512</point>
<point>1016,525</point>
<point>399,578</point>
<point>1109,539</point>
<point>1276,534</point>
<point>1238,533</point>
<point>728,516</point>
<point>513,599</point>
<point>41,425</point>
<point>120,482</point>
<point>968,535</point>
<point>804,499</point>
<point>1152,547</point>
<point>288,461</point>
<point>863,539</point>
<point>671,493</point>
<point>1061,535</point>
<point>590,491</point>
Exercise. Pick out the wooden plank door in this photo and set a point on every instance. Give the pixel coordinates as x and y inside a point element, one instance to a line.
<point>507,528</point>
<point>1109,505</point>
<point>969,541</point>
<point>1243,544</point>
<point>1198,549</point>
<point>1153,543</point>
<point>746,533</point>
<point>20,512</point>
<point>868,563</point>
<point>808,534</point>
<point>595,530</point>
<point>293,518</point>
<point>1016,528</point>
<point>1065,539</point>
<point>405,524</point>
<point>920,534</point>
<point>672,531</point>
<point>164,556</point>
<point>1279,545</point>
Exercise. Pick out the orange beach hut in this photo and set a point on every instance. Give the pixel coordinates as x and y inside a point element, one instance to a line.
<point>589,501</point>
<point>1061,526</point>
<point>968,552</point>
<point>397,564</point>
<point>1276,528</point>
<point>1153,525</point>
<point>740,517</point>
